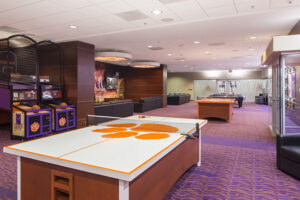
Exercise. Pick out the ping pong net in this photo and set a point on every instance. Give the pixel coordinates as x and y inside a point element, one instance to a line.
<point>142,123</point>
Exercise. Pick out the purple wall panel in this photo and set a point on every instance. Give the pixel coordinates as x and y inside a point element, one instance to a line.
<point>5,98</point>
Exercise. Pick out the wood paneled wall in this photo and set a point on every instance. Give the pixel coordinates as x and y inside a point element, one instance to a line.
<point>140,83</point>
<point>78,77</point>
<point>143,83</point>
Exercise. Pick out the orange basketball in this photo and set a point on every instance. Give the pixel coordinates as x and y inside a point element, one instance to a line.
<point>63,104</point>
<point>35,107</point>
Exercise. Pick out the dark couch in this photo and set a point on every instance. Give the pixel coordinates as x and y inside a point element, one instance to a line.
<point>148,103</point>
<point>288,154</point>
<point>262,99</point>
<point>178,98</point>
<point>120,108</point>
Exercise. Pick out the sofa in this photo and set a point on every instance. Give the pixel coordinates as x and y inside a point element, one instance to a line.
<point>119,108</point>
<point>178,98</point>
<point>288,154</point>
<point>148,103</point>
<point>262,99</point>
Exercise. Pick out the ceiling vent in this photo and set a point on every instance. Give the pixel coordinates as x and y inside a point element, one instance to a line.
<point>132,15</point>
<point>170,1</point>
<point>156,48</point>
<point>10,29</point>
<point>217,44</point>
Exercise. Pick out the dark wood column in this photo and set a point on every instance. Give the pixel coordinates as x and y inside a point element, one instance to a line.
<point>78,77</point>
<point>165,77</point>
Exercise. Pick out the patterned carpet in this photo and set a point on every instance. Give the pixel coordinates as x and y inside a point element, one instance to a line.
<point>238,160</point>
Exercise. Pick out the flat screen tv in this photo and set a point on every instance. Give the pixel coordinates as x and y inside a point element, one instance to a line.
<point>111,83</point>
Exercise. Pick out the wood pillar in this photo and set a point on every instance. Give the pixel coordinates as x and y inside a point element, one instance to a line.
<point>78,77</point>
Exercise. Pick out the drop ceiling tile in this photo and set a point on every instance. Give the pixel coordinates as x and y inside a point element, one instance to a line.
<point>7,5</point>
<point>284,3</point>
<point>143,23</point>
<point>71,4</point>
<point>117,6</point>
<point>47,21</point>
<point>221,11</point>
<point>146,6</point>
<point>93,11</point>
<point>187,10</point>
<point>252,5</point>
<point>111,19</point>
<point>36,10</point>
<point>215,3</point>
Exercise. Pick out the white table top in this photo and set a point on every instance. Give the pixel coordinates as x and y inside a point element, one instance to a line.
<point>121,158</point>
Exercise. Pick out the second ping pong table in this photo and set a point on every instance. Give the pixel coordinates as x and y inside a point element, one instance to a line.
<point>125,158</point>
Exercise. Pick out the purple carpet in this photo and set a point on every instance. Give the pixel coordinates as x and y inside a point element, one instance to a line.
<point>238,160</point>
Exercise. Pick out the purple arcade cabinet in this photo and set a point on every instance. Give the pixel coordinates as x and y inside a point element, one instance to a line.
<point>18,88</point>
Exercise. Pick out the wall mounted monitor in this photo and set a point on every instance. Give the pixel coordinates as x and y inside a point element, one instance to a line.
<point>111,83</point>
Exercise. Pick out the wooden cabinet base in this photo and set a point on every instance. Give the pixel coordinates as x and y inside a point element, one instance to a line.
<point>38,178</point>
<point>217,110</point>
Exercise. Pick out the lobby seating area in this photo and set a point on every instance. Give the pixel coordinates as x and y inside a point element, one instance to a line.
<point>118,108</point>
<point>148,103</point>
<point>288,154</point>
<point>178,98</point>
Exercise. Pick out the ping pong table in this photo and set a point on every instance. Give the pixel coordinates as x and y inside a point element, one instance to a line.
<point>124,158</point>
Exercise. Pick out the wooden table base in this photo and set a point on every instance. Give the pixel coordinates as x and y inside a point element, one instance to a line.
<point>39,178</point>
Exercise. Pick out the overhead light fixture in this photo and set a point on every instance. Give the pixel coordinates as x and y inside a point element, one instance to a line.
<point>169,54</point>
<point>149,46</point>
<point>145,64</point>
<point>156,12</point>
<point>73,27</point>
<point>207,52</point>
<point>115,57</point>
<point>252,37</point>
<point>196,42</point>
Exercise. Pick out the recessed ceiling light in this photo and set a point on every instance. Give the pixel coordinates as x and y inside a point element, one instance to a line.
<point>73,27</point>
<point>207,52</point>
<point>169,54</point>
<point>149,46</point>
<point>196,42</point>
<point>252,37</point>
<point>156,12</point>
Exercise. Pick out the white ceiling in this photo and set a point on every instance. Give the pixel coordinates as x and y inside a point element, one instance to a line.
<point>227,22</point>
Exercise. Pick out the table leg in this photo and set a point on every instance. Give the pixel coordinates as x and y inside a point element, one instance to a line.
<point>19,178</point>
<point>123,190</point>
<point>199,162</point>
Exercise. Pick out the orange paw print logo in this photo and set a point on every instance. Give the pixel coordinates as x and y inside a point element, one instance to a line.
<point>152,131</point>
<point>34,127</point>
<point>62,121</point>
